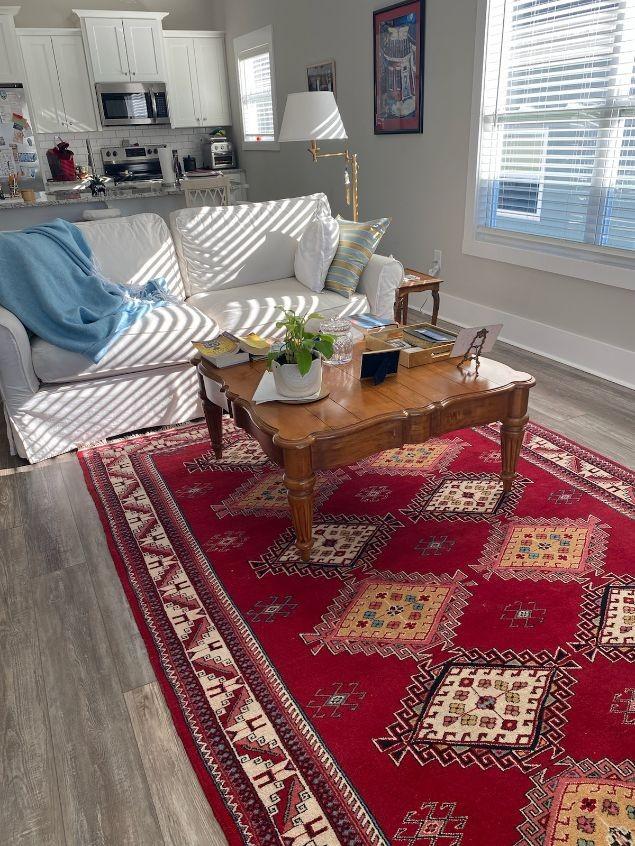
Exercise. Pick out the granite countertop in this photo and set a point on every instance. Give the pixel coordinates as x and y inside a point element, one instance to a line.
<point>149,188</point>
<point>126,191</point>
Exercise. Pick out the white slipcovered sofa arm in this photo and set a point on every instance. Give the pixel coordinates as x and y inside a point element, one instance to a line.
<point>17,377</point>
<point>379,282</point>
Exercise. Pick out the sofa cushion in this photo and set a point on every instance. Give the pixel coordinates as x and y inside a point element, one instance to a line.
<point>257,308</point>
<point>358,242</point>
<point>224,247</point>
<point>316,250</point>
<point>131,250</point>
<point>158,339</point>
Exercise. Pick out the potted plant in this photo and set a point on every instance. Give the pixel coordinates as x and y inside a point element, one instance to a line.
<point>296,364</point>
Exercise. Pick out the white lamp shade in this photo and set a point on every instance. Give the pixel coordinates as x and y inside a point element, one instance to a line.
<point>311,116</point>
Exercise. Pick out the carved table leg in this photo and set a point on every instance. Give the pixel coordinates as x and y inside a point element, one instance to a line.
<point>435,306</point>
<point>214,419</point>
<point>299,481</point>
<point>512,430</point>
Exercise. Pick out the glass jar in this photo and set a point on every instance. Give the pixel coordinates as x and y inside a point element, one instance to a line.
<point>341,330</point>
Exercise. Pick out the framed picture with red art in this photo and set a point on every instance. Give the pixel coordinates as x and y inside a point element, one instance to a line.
<point>398,37</point>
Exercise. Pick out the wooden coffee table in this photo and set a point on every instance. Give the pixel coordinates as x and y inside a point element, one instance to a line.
<point>359,419</point>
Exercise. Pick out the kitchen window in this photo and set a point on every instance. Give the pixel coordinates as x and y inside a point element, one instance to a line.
<point>552,159</point>
<point>256,84</point>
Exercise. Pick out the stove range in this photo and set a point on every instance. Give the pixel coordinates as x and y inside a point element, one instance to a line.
<point>131,164</point>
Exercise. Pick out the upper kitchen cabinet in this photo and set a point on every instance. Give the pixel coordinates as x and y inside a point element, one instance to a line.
<point>197,78</point>
<point>57,80</point>
<point>10,64</point>
<point>124,47</point>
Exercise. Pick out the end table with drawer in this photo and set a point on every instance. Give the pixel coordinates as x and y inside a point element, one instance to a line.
<point>419,283</point>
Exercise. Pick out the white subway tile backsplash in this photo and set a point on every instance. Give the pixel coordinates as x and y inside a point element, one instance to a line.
<point>187,141</point>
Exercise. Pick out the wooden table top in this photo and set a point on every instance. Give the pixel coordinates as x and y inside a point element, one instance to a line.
<point>352,401</point>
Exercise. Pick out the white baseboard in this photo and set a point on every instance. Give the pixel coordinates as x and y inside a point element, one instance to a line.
<point>596,357</point>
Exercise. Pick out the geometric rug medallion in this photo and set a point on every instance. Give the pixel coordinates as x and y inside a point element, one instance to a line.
<point>453,666</point>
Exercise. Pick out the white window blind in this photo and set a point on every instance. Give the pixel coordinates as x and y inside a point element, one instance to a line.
<point>557,123</point>
<point>255,78</point>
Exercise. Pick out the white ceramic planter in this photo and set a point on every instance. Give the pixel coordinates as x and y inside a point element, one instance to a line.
<point>290,382</point>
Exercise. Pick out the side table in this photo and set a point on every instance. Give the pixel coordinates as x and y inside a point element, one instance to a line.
<point>422,282</point>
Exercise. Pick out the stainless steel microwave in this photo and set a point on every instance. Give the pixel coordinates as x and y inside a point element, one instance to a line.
<point>132,103</point>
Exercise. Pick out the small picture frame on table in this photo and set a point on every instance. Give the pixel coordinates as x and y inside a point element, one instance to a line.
<point>321,76</point>
<point>399,45</point>
<point>379,364</point>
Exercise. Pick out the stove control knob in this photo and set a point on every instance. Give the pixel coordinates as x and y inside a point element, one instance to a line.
<point>156,150</point>
<point>108,153</point>
<point>114,153</point>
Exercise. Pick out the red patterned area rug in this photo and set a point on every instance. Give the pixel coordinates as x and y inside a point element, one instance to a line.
<point>454,666</point>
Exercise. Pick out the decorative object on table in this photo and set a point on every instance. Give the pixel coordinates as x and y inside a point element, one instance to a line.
<point>267,391</point>
<point>398,33</point>
<point>28,195</point>
<point>61,161</point>
<point>314,116</point>
<point>97,186</point>
<point>471,343</point>
<point>370,322</point>
<point>358,242</point>
<point>340,329</point>
<point>321,76</point>
<point>221,351</point>
<point>297,363</point>
<point>315,252</point>
<point>252,343</point>
<point>379,364</point>
<point>418,343</point>
<point>415,282</point>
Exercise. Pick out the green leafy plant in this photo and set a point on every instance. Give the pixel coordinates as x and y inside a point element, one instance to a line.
<point>299,346</point>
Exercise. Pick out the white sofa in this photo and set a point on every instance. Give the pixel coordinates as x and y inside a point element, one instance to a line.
<point>227,268</point>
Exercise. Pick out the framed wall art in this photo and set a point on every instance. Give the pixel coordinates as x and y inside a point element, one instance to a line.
<point>398,38</point>
<point>321,76</point>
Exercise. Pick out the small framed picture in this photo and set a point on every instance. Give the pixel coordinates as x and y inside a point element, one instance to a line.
<point>398,33</point>
<point>321,76</point>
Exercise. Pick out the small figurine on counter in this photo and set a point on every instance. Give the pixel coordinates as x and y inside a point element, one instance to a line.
<point>97,186</point>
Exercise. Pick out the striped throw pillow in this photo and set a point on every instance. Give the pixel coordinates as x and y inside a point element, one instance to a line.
<point>358,241</point>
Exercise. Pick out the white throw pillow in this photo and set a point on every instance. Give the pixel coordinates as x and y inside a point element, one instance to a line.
<point>315,252</point>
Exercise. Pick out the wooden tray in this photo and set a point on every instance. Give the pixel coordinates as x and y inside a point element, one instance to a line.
<point>414,357</point>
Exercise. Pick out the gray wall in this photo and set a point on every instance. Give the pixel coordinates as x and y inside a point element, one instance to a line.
<point>420,180</point>
<point>184,14</point>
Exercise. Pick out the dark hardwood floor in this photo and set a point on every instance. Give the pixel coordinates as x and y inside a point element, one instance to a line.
<point>88,752</point>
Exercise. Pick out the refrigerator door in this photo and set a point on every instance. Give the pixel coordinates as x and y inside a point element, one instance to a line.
<point>18,152</point>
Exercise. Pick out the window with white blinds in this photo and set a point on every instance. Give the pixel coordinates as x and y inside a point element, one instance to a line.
<point>254,61</point>
<point>556,151</point>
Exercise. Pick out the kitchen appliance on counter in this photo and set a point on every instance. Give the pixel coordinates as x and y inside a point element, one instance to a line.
<point>132,103</point>
<point>18,153</point>
<point>218,153</point>
<point>131,164</point>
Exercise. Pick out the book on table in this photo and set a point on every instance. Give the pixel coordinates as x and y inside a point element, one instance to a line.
<point>221,351</point>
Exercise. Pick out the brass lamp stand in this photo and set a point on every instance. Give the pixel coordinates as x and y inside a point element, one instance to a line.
<point>351,174</point>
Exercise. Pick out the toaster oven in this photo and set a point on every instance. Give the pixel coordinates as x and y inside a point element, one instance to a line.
<point>218,154</point>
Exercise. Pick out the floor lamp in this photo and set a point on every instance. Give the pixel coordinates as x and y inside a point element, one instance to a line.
<point>313,116</point>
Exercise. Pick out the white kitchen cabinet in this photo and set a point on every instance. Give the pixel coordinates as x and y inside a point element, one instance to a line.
<point>10,64</point>
<point>57,81</point>
<point>144,45</point>
<point>197,79</point>
<point>107,49</point>
<point>124,47</point>
<point>183,100</point>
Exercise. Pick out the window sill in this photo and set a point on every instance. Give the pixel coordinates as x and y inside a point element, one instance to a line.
<point>272,146</point>
<point>607,267</point>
